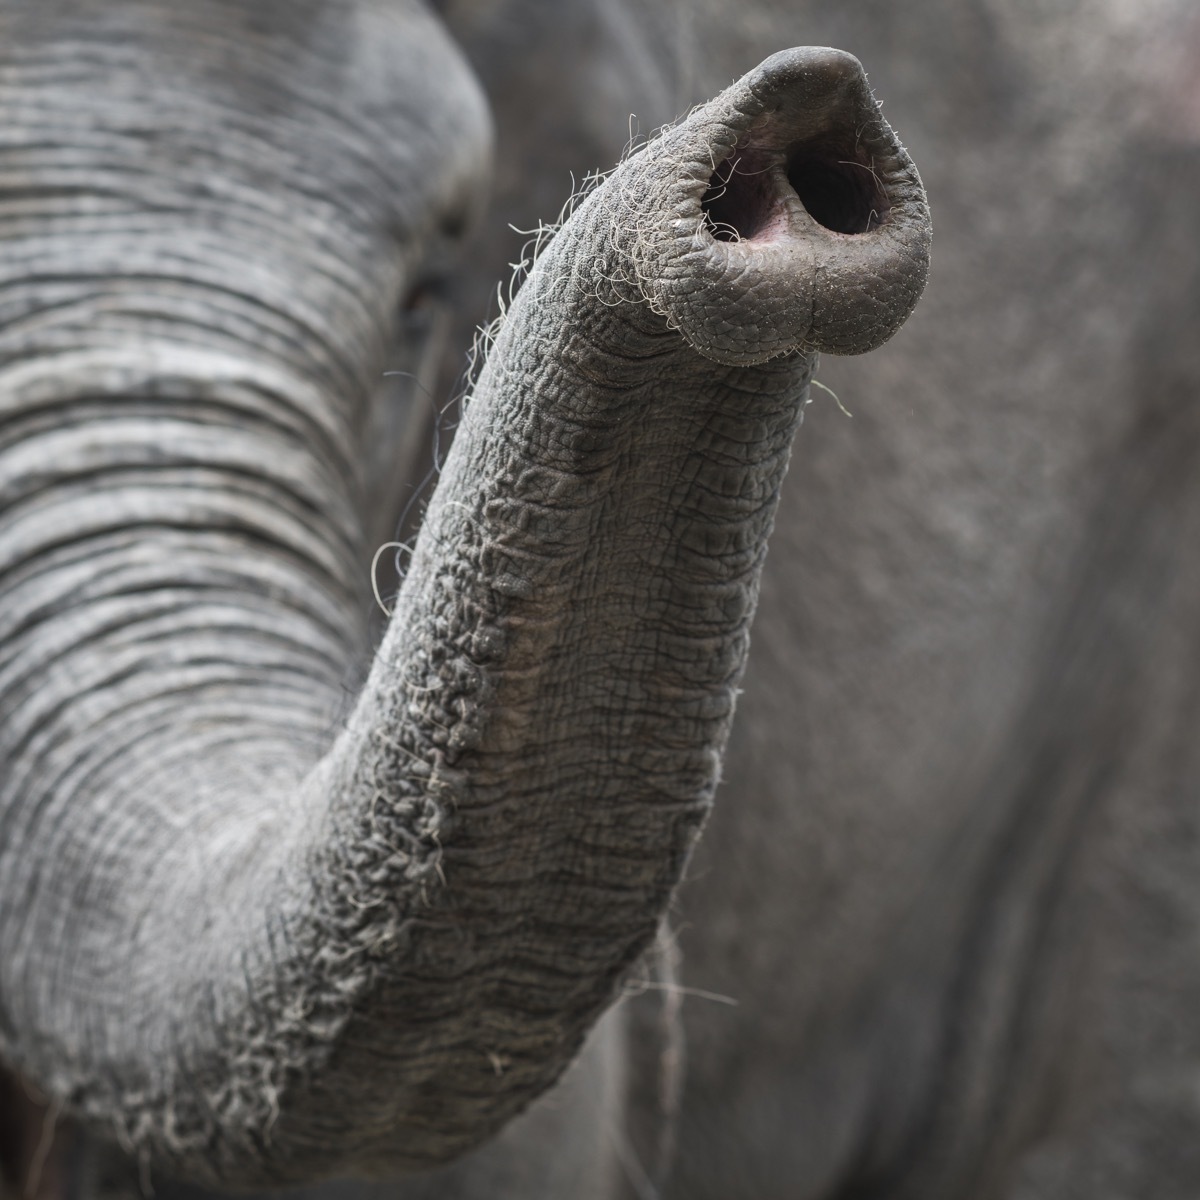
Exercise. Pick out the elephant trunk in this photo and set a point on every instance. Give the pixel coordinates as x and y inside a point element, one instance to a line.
<point>378,961</point>
<point>790,219</point>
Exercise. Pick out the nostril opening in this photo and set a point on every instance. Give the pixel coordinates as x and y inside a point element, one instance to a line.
<point>837,190</point>
<point>740,200</point>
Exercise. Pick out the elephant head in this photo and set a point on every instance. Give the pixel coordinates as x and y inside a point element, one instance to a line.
<point>260,930</point>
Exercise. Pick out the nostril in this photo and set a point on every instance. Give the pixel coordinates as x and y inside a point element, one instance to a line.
<point>740,200</point>
<point>837,189</point>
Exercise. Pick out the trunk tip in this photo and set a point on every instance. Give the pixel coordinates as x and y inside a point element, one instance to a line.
<point>813,228</point>
<point>809,68</point>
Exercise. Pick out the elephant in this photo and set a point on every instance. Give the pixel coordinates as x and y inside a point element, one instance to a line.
<point>938,937</point>
<point>264,922</point>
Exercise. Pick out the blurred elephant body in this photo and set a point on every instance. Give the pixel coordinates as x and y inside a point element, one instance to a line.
<point>950,877</point>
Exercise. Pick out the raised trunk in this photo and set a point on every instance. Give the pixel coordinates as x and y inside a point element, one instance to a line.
<point>262,958</point>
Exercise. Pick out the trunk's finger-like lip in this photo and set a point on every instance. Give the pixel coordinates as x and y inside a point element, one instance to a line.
<point>795,219</point>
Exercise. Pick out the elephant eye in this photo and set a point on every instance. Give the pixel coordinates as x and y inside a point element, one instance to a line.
<point>455,224</point>
<point>427,290</point>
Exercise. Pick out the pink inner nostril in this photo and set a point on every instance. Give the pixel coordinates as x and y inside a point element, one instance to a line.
<point>838,190</point>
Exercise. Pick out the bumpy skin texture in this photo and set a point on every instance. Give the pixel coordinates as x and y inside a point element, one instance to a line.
<point>251,956</point>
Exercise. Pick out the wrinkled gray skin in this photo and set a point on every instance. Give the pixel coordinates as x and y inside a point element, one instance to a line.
<point>258,929</point>
<point>950,878</point>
